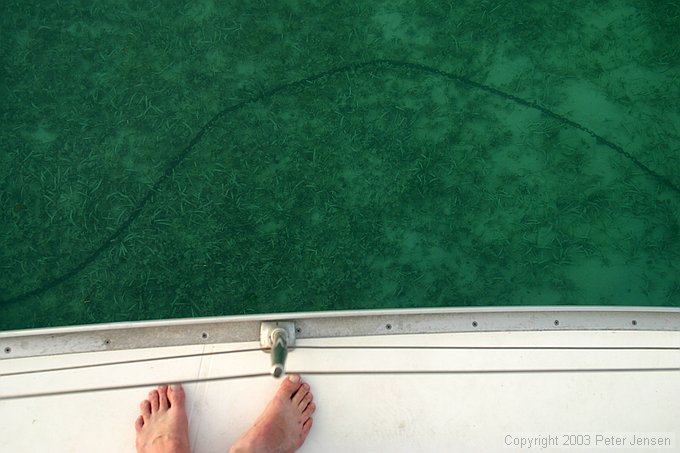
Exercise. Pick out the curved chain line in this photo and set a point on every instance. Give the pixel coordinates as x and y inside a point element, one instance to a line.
<point>380,63</point>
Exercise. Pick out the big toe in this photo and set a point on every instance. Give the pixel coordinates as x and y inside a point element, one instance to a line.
<point>289,386</point>
<point>176,395</point>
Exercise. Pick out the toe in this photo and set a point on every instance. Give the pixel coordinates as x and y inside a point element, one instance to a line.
<point>289,386</point>
<point>139,423</point>
<point>145,407</point>
<point>305,401</point>
<point>300,394</point>
<point>176,395</point>
<point>309,411</point>
<point>163,403</point>
<point>306,427</point>
<point>154,400</point>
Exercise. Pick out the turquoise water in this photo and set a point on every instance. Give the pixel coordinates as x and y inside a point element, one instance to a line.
<point>166,160</point>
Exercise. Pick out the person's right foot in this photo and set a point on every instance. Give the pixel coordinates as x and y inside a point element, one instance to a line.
<point>284,424</point>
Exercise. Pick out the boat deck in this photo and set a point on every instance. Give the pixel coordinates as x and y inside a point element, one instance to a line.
<point>479,402</point>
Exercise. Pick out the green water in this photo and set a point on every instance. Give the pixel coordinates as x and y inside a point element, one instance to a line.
<point>173,159</point>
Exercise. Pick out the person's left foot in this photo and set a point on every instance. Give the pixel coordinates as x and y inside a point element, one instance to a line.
<point>163,426</point>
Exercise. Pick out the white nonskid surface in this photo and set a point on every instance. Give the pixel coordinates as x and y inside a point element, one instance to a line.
<point>424,413</point>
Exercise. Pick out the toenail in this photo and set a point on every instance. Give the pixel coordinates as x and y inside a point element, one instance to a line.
<point>294,378</point>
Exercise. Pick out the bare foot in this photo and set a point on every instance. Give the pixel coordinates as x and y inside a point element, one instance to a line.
<point>163,426</point>
<point>284,424</point>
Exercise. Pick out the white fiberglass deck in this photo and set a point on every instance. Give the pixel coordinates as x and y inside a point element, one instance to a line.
<point>365,413</point>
